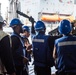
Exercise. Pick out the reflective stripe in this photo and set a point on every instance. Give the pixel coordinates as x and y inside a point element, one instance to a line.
<point>67,43</point>
<point>38,40</point>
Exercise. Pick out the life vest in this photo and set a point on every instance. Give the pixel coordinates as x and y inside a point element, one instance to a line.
<point>20,50</point>
<point>41,51</point>
<point>66,53</point>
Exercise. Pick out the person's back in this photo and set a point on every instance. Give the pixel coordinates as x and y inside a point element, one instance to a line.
<point>65,50</point>
<point>66,53</point>
<point>41,51</point>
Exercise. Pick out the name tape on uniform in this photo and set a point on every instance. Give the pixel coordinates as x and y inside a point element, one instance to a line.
<point>38,40</point>
<point>67,43</point>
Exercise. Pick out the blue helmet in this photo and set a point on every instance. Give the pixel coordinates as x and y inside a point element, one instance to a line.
<point>26,28</point>
<point>15,22</point>
<point>40,26</point>
<point>65,27</point>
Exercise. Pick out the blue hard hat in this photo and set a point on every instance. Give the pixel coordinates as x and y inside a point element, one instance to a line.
<point>15,22</point>
<point>26,28</point>
<point>65,27</point>
<point>40,26</point>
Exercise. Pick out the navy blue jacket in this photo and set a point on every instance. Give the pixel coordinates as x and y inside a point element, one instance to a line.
<point>66,53</point>
<point>41,51</point>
